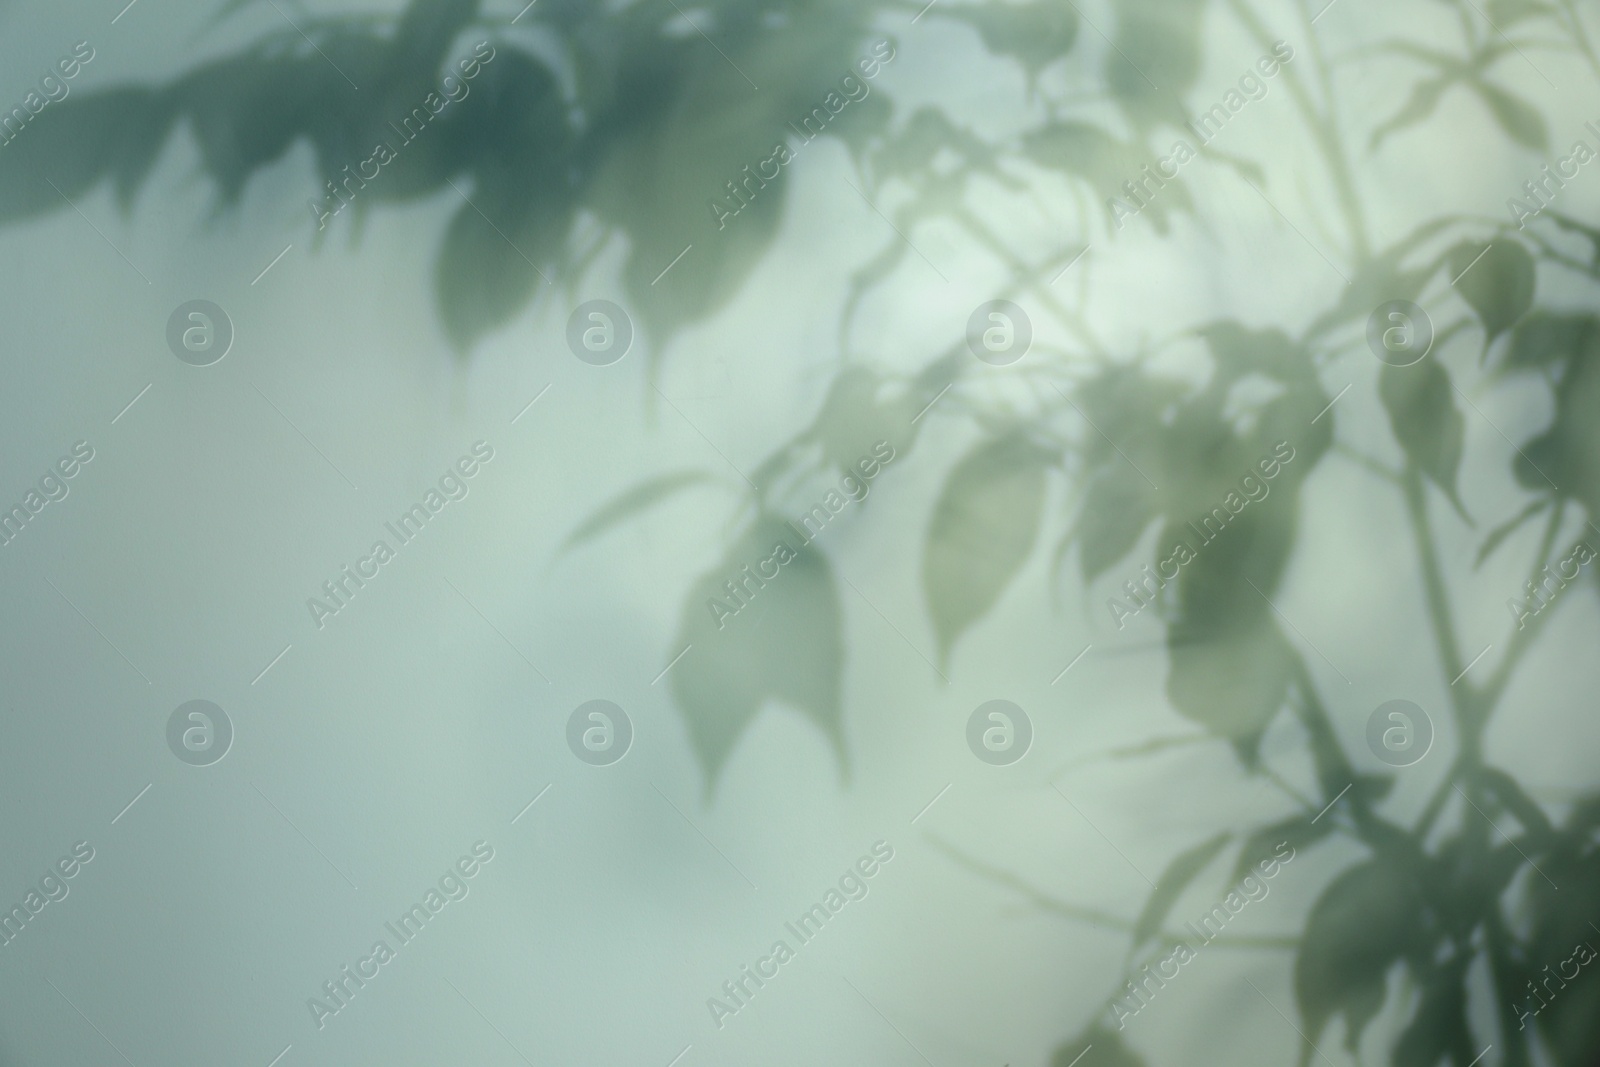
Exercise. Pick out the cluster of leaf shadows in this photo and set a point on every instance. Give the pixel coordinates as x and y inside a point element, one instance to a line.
<point>603,121</point>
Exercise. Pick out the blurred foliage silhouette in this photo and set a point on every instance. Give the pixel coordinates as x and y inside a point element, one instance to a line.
<point>627,115</point>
